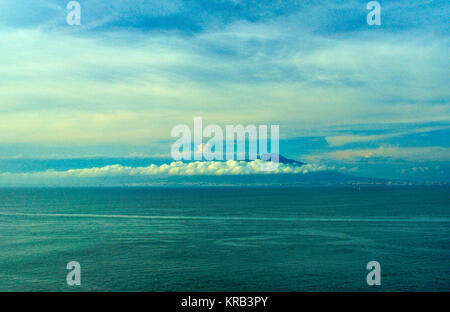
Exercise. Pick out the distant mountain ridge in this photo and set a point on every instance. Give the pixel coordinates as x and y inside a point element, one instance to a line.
<point>281,159</point>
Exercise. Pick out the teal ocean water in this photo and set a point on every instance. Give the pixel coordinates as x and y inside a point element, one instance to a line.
<point>225,239</point>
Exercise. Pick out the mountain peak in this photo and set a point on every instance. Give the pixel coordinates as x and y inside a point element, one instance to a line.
<point>281,159</point>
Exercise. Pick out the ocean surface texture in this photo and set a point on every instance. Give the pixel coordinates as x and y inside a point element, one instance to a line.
<point>225,239</point>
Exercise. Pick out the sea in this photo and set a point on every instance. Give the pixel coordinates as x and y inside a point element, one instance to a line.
<point>225,238</point>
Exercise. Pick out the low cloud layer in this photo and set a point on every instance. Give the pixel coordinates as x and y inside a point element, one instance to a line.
<point>178,168</point>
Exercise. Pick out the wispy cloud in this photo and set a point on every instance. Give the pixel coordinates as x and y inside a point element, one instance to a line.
<point>430,153</point>
<point>121,83</point>
<point>341,140</point>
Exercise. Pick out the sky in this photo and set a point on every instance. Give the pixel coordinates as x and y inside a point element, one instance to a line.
<point>364,100</point>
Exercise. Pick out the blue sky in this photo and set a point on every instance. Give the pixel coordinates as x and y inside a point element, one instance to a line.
<point>365,100</point>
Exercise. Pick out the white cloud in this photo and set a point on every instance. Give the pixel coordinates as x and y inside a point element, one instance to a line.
<point>217,168</point>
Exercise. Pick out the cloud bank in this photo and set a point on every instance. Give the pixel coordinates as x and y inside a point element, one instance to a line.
<point>178,168</point>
